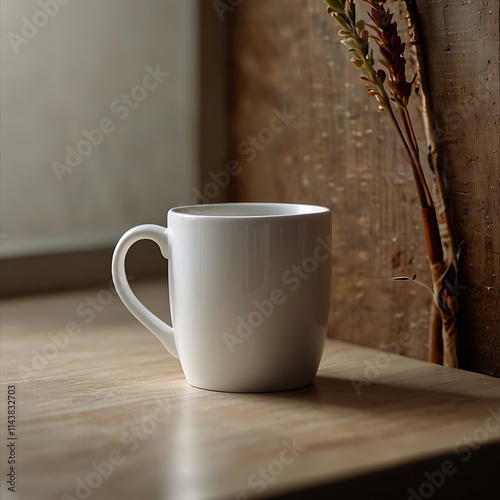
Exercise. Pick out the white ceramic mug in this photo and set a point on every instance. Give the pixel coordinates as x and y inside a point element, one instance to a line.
<point>249,288</point>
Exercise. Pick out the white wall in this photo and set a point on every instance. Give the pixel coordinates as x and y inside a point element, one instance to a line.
<point>68,75</point>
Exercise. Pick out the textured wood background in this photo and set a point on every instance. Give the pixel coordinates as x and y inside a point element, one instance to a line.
<point>338,150</point>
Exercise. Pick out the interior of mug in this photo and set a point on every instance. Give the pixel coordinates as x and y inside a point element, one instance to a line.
<point>249,209</point>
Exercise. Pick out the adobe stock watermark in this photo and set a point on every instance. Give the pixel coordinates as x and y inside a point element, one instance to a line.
<point>264,476</point>
<point>223,6</point>
<point>121,108</point>
<point>86,312</point>
<point>265,308</point>
<point>131,440</point>
<point>374,367</point>
<point>31,27</point>
<point>463,449</point>
<point>249,149</point>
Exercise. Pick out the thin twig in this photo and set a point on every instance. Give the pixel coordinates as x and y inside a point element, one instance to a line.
<point>430,127</point>
<point>447,298</point>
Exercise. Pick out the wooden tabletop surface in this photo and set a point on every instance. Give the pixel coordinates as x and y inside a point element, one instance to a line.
<point>99,410</point>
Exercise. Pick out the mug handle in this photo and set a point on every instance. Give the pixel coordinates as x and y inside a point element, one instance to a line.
<point>161,236</point>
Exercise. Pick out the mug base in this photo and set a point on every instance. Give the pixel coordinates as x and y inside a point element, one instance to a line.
<point>250,390</point>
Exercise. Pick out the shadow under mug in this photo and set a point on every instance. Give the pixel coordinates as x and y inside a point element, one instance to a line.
<point>249,287</point>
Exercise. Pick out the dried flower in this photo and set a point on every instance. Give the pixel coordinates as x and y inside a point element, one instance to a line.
<point>356,38</point>
<point>384,31</point>
<point>392,50</point>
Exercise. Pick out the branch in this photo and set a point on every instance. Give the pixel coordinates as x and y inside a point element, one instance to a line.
<point>434,155</point>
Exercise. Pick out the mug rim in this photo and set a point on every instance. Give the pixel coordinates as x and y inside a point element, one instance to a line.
<point>301,209</point>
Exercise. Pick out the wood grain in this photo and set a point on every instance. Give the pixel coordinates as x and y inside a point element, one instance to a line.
<point>340,152</point>
<point>371,426</point>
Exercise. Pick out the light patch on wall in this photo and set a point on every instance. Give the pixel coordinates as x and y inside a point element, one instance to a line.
<point>98,122</point>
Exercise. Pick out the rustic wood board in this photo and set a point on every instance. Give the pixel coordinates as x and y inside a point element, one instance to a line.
<point>338,150</point>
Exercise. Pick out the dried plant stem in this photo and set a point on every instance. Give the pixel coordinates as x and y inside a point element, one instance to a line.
<point>435,354</point>
<point>418,175</point>
<point>444,314</point>
<point>430,127</point>
<point>448,327</point>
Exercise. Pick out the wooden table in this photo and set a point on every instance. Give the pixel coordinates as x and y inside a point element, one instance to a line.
<point>103,412</point>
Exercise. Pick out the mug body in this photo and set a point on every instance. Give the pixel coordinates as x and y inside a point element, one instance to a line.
<point>250,293</point>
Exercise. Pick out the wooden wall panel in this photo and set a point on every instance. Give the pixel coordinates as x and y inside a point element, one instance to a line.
<point>338,150</point>
<point>463,56</point>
